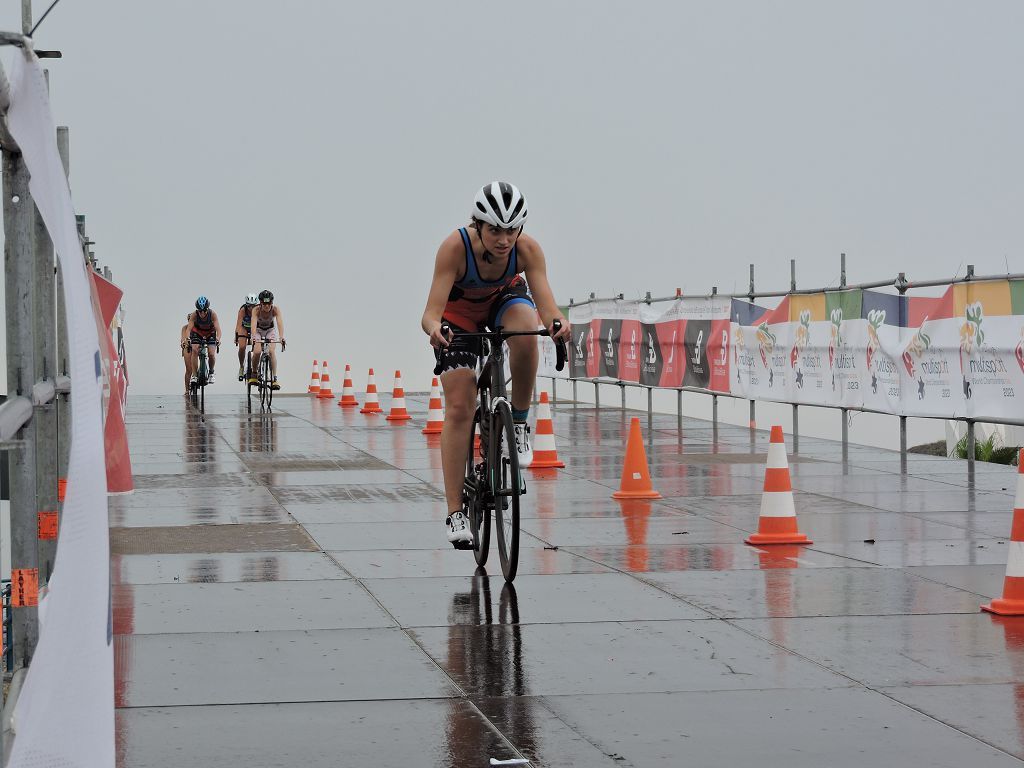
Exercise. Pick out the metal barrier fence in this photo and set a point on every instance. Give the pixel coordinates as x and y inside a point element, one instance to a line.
<point>900,284</point>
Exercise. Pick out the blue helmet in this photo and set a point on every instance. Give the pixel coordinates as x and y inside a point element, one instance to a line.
<point>202,303</point>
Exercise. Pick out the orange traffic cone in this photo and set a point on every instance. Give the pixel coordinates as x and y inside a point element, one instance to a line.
<point>372,403</point>
<point>435,415</point>
<point>1012,601</point>
<point>314,381</point>
<point>398,411</point>
<point>545,455</point>
<point>348,397</point>
<point>325,392</point>
<point>636,478</point>
<point>777,524</point>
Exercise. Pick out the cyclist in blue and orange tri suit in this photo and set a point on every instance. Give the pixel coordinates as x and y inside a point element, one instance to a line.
<point>479,282</point>
<point>243,325</point>
<point>203,325</point>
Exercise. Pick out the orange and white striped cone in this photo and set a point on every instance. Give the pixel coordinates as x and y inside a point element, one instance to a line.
<point>348,396</point>
<point>636,477</point>
<point>476,436</point>
<point>325,392</point>
<point>398,411</point>
<point>1012,601</point>
<point>435,413</point>
<point>545,454</point>
<point>372,403</point>
<point>314,381</point>
<point>777,523</point>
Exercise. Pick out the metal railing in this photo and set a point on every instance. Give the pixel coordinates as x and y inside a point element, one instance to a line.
<point>900,284</point>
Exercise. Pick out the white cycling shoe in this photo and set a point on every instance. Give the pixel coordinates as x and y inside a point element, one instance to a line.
<point>523,447</point>
<point>457,527</point>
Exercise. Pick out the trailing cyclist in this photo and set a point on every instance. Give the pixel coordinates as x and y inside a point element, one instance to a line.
<point>185,356</point>
<point>203,326</point>
<point>479,282</point>
<point>242,331</point>
<point>265,316</point>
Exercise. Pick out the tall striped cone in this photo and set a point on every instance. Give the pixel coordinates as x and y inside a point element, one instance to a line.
<point>348,397</point>
<point>1012,601</point>
<point>398,411</point>
<point>636,478</point>
<point>371,404</point>
<point>435,414</point>
<point>545,455</point>
<point>325,392</point>
<point>314,381</point>
<point>777,524</point>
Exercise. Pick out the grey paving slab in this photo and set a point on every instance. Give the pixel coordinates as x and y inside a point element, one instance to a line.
<point>618,657</point>
<point>631,529</point>
<point>148,609</point>
<point>902,650</point>
<point>794,591</point>
<point>838,728</point>
<point>984,580</point>
<point>993,714</point>
<point>897,554</point>
<point>642,558</point>
<point>266,667</point>
<point>439,602</point>
<point>430,733</point>
<point>364,492</point>
<point>360,512</point>
<point>302,479</point>
<point>198,514</point>
<point>384,535</point>
<point>425,563</point>
<point>223,567</point>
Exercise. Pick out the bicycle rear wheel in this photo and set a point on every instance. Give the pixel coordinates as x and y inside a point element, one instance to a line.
<point>479,515</point>
<point>507,488</point>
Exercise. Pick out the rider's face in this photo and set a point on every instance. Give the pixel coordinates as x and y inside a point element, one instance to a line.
<point>497,240</point>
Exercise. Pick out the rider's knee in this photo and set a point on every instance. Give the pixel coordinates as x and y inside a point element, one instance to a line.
<point>459,412</point>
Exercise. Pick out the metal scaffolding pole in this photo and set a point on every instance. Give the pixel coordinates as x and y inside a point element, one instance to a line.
<point>63,399</point>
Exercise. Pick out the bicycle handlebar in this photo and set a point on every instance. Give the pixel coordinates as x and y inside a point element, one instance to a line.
<point>500,335</point>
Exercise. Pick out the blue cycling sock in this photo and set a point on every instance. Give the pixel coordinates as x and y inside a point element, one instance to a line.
<point>520,416</point>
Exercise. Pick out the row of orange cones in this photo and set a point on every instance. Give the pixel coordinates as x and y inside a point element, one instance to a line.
<point>545,455</point>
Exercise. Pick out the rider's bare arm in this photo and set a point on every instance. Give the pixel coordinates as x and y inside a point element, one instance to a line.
<point>216,324</point>
<point>191,325</point>
<point>446,271</point>
<point>279,316</point>
<point>531,258</point>
<point>184,336</point>
<point>239,328</point>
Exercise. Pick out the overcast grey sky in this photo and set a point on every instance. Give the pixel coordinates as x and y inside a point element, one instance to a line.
<point>324,150</point>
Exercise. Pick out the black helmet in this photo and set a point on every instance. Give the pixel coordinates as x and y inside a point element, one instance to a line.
<point>266,297</point>
<point>202,303</point>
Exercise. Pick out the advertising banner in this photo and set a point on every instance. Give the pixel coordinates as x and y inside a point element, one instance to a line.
<point>958,355</point>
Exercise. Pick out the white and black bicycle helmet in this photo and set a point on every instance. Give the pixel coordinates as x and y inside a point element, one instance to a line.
<point>251,300</point>
<point>500,204</point>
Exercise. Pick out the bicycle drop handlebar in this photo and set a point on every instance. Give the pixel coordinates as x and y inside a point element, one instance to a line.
<point>499,335</point>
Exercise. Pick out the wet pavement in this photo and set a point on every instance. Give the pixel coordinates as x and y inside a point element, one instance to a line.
<point>284,595</point>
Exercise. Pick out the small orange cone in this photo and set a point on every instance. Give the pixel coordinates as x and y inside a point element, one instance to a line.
<point>325,392</point>
<point>777,524</point>
<point>1012,601</point>
<point>636,478</point>
<point>348,397</point>
<point>398,411</point>
<point>435,414</point>
<point>314,381</point>
<point>372,403</point>
<point>545,454</point>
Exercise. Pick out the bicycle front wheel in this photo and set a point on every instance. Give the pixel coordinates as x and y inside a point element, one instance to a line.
<point>479,514</point>
<point>507,487</point>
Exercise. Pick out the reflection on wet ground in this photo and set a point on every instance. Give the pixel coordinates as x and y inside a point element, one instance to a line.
<point>284,595</point>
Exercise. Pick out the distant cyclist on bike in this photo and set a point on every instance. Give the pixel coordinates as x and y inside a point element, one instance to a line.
<point>242,330</point>
<point>478,282</point>
<point>203,325</point>
<point>186,355</point>
<point>265,316</point>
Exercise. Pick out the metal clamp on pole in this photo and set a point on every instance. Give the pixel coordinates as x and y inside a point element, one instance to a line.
<point>43,392</point>
<point>62,385</point>
<point>15,413</point>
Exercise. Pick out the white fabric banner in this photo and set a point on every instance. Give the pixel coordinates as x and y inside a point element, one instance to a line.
<point>65,714</point>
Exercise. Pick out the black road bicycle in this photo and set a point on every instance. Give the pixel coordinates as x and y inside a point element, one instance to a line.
<point>198,387</point>
<point>264,376</point>
<point>494,483</point>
